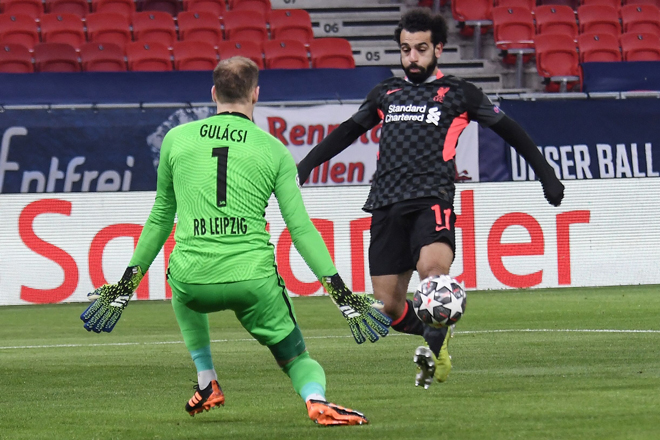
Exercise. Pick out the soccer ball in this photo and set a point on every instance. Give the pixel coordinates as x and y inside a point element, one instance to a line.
<point>439,301</point>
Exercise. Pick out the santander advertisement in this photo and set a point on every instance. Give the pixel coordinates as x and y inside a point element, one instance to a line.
<point>59,247</point>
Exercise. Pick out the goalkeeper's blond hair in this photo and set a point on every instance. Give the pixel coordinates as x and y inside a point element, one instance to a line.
<point>234,79</point>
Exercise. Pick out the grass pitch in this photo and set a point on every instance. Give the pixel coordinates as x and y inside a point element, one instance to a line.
<point>541,364</point>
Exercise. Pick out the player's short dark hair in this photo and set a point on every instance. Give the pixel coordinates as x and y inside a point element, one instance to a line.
<point>234,79</point>
<point>422,20</point>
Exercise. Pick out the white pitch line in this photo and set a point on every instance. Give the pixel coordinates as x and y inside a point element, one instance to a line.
<point>468,332</point>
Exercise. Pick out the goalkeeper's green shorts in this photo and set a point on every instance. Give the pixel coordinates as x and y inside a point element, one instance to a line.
<point>262,306</point>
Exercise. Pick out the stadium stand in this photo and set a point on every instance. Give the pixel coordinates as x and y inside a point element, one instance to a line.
<point>32,8</point>
<point>148,57</point>
<point>218,8</point>
<point>15,58</point>
<point>557,61</point>
<point>102,57</point>
<point>640,18</point>
<point>123,7</point>
<point>513,31</point>
<point>331,53</point>
<point>76,7</point>
<point>19,29</point>
<point>55,57</point>
<point>245,25</point>
<point>171,7</point>
<point>474,18</point>
<point>616,4</point>
<point>527,4</point>
<point>640,47</point>
<point>285,54</point>
<point>599,18</point>
<point>199,26</point>
<point>194,55</point>
<point>598,47</point>
<point>154,26</point>
<point>261,6</point>
<point>555,19</point>
<point>63,28</point>
<point>108,27</point>
<point>248,49</point>
<point>290,24</point>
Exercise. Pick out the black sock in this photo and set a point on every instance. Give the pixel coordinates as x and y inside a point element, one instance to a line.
<point>435,337</point>
<point>409,322</point>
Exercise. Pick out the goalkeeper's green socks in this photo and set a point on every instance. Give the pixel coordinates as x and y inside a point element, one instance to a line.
<point>204,364</point>
<point>307,377</point>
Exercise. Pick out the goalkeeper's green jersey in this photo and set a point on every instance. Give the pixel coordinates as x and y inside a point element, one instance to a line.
<point>217,175</point>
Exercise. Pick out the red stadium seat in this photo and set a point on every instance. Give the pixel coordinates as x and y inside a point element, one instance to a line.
<point>262,6</point>
<point>291,24</point>
<point>557,61</point>
<point>76,7</point>
<point>527,4</point>
<point>102,57</point>
<point>194,55</point>
<point>599,19</point>
<point>63,28</point>
<point>555,19</point>
<point>199,26</point>
<point>642,2</point>
<point>472,15</point>
<point>333,53</point>
<point>15,58</point>
<point>217,7</point>
<point>247,49</point>
<point>171,7</point>
<point>55,57</point>
<point>640,19</point>
<point>148,57</point>
<point>154,26</point>
<point>18,29</point>
<point>598,47</point>
<point>616,4</point>
<point>32,8</point>
<point>513,28</point>
<point>108,27</point>
<point>123,7</point>
<point>285,54</point>
<point>245,25</point>
<point>640,47</point>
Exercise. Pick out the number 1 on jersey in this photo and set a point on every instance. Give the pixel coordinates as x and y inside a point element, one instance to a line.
<point>221,188</point>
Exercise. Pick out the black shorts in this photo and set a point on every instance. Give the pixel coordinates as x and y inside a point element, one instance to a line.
<point>399,231</point>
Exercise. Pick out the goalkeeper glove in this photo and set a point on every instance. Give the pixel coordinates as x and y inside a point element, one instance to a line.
<point>364,320</point>
<point>110,300</point>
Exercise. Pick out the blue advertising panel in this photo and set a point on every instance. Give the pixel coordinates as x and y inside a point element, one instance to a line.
<point>623,76</point>
<point>84,150</point>
<point>185,86</point>
<point>585,139</point>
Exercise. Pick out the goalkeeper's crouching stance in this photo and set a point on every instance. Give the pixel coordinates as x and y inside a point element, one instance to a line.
<point>217,175</point>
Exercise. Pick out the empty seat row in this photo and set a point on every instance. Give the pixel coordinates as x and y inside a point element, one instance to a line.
<point>185,55</point>
<point>110,27</point>
<point>36,8</point>
<point>480,10</point>
<point>514,27</point>
<point>558,55</point>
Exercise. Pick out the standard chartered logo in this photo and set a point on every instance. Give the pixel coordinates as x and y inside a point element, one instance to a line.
<point>433,116</point>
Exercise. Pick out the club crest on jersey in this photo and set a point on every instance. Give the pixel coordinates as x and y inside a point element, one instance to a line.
<point>440,97</point>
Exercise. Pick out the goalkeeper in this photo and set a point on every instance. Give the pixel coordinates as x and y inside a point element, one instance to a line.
<point>217,175</point>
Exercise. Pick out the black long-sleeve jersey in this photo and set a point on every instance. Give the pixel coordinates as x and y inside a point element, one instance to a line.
<point>421,126</point>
